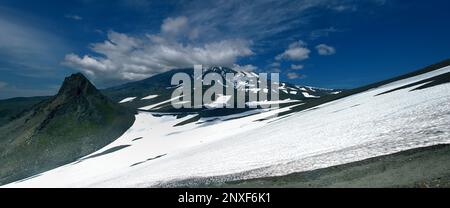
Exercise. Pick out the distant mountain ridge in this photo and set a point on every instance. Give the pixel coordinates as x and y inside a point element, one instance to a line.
<point>158,87</point>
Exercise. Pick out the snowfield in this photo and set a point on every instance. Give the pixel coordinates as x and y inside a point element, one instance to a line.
<point>354,128</point>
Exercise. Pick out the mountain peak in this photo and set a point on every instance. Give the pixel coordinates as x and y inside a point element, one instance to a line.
<point>218,69</point>
<point>78,121</point>
<point>77,85</point>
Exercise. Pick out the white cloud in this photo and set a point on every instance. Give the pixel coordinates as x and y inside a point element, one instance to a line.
<point>91,65</point>
<point>174,25</point>
<point>296,51</point>
<point>343,8</point>
<point>244,19</point>
<point>73,17</point>
<point>179,27</point>
<point>293,75</point>
<point>296,66</point>
<point>126,58</point>
<point>325,50</point>
<point>247,68</point>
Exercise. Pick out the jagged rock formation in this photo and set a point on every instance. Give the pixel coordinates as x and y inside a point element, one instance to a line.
<point>75,122</point>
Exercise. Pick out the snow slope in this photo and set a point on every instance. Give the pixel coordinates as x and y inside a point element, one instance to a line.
<point>346,130</point>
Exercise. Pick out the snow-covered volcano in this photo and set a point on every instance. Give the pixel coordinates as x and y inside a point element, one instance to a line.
<point>155,93</point>
<point>398,115</point>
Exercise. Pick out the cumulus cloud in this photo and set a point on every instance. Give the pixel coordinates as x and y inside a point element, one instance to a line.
<point>325,50</point>
<point>246,68</point>
<point>296,51</point>
<point>125,58</point>
<point>293,75</point>
<point>296,66</point>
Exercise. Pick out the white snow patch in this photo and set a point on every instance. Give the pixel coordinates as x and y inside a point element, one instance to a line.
<point>149,97</point>
<point>220,102</point>
<point>129,99</point>
<point>335,93</point>
<point>307,95</point>
<point>303,89</point>
<point>271,102</point>
<point>158,104</point>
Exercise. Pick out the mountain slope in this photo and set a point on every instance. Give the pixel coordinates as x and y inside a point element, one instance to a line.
<point>154,94</point>
<point>366,124</point>
<point>351,92</point>
<point>425,167</point>
<point>11,108</point>
<point>73,123</point>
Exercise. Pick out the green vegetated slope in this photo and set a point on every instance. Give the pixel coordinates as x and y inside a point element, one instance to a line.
<point>77,121</point>
<point>12,108</point>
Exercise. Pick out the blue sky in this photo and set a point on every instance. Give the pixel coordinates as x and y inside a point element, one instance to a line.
<point>324,43</point>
